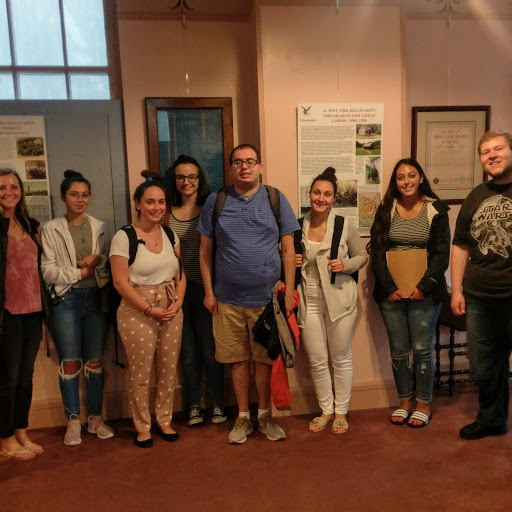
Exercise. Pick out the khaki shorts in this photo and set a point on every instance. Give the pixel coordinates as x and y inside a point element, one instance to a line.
<point>232,329</point>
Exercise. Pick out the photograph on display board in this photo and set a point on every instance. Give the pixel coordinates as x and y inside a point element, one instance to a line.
<point>35,169</point>
<point>30,146</point>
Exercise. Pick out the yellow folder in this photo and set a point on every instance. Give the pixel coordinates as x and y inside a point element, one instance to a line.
<point>407,267</point>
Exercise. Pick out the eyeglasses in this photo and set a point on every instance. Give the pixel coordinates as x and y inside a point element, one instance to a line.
<point>191,177</point>
<point>250,162</point>
<point>75,195</point>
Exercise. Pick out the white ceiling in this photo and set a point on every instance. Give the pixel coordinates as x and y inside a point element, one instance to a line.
<point>240,9</point>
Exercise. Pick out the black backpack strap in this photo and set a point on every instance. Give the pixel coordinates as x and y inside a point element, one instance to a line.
<point>170,235</point>
<point>297,243</point>
<point>219,204</point>
<point>297,238</point>
<point>275,203</point>
<point>133,242</point>
<point>273,198</point>
<point>339,220</point>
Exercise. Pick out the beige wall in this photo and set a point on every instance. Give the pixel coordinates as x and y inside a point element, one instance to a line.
<point>380,58</point>
<point>219,58</point>
<point>465,63</point>
<point>310,54</point>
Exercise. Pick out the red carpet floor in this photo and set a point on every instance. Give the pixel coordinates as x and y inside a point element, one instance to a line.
<point>374,467</point>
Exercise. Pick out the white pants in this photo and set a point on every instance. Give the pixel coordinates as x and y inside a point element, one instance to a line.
<point>321,338</point>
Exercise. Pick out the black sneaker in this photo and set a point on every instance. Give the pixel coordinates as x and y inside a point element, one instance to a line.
<point>218,415</point>
<point>194,415</point>
<point>478,431</point>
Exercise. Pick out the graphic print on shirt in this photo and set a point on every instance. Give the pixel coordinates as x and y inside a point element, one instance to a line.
<point>492,225</point>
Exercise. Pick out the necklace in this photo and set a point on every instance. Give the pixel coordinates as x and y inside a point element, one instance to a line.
<point>15,226</point>
<point>81,228</point>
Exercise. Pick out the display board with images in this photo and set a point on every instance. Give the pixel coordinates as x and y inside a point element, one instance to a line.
<point>23,148</point>
<point>347,137</point>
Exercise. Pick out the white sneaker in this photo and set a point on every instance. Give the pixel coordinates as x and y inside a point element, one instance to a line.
<point>95,425</point>
<point>73,431</point>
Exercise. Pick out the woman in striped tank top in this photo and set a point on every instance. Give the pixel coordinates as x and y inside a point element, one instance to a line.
<point>188,191</point>
<point>411,216</point>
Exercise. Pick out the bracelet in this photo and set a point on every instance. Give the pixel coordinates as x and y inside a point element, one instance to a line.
<point>149,308</point>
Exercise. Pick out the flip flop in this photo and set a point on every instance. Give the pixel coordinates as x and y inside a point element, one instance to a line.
<point>34,448</point>
<point>400,413</point>
<point>319,423</point>
<point>339,424</point>
<point>20,453</point>
<point>420,416</point>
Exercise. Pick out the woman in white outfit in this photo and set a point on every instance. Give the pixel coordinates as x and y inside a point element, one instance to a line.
<point>327,312</point>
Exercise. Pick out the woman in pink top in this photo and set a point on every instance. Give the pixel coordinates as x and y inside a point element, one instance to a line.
<point>23,298</point>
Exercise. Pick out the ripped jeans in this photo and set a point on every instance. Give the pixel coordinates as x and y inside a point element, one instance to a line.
<point>410,325</point>
<point>78,329</point>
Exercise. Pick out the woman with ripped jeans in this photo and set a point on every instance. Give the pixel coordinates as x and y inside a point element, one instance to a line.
<point>411,216</point>
<point>73,261</point>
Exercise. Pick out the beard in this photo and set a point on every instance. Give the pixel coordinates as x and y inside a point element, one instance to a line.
<point>505,176</point>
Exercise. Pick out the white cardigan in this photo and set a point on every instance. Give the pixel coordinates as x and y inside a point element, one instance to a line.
<point>340,297</point>
<point>58,261</point>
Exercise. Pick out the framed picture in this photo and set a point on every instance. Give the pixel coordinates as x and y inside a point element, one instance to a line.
<point>197,127</point>
<point>445,143</point>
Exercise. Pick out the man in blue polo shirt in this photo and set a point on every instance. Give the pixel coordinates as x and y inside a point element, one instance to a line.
<point>247,266</point>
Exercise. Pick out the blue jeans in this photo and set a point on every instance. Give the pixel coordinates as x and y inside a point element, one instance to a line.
<point>79,330</point>
<point>198,347</point>
<point>410,325</point>
<point>489,332</point>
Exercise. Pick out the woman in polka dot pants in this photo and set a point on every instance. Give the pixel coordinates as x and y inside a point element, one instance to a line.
<point>149,318</point>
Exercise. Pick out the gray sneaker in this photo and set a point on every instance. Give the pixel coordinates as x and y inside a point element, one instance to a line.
<point>267,426</point>
<point>73,431</point>
<point>242,428</point>
<point>95,425</point>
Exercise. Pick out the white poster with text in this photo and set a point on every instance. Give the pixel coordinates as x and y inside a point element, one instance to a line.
<point>23,148</point>
<point>347,137</point>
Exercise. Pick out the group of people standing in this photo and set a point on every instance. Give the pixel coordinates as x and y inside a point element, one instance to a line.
<point>196,270</point>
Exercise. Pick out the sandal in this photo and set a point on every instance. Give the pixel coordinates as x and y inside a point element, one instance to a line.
<point>21,453</point>
<point>339,426</point>
<point>34,448</point>
<point>318,424</point>
<point>400,413</point>
<point>420,416</point>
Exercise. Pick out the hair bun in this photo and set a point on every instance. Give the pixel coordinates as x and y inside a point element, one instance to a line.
<point>330,171</point>
<point>72,174</point>
<point>151,176</point>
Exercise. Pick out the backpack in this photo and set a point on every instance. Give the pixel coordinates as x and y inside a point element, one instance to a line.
<point>273,198</point>
<point>339,221</point>
<point>110,297</point>
<point>275,205</point>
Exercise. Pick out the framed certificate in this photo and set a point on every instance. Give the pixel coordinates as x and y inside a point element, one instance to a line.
<point>445,143</point>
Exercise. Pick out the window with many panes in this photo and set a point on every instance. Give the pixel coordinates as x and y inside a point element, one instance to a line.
<point>58,50</point>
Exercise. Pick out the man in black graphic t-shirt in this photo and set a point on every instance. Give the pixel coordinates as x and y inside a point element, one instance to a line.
<point>482,266</point>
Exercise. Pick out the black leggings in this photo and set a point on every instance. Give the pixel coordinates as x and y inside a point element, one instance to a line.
<point>20,337</point>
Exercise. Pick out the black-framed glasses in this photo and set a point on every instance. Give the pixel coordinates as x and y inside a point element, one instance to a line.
<point>192,178</point>
<point>250,162</point>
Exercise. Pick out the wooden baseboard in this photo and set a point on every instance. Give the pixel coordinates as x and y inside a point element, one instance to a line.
<point>49,413</point>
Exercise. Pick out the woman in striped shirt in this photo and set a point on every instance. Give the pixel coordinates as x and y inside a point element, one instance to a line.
<point>411,216</point>
<point>188,191</point>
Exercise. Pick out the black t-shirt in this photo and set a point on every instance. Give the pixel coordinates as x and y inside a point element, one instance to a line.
<point>485,225</point>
